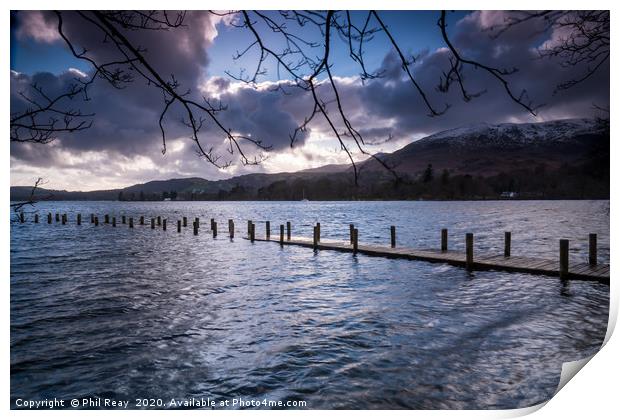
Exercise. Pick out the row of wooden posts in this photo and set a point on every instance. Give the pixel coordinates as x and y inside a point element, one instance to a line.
<point>316,238</point>
<point>469,243</point>
<point>158,220</point>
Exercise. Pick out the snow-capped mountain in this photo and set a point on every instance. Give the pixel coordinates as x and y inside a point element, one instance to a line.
<point>523,134</point>
<point>485,149</point>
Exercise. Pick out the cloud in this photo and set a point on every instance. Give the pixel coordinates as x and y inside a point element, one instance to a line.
<point>39,26</point>
<point>124,144</point>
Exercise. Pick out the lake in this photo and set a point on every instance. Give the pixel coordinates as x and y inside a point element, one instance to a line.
<point>138,313</point>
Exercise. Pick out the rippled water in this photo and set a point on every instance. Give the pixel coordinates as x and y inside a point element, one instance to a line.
<point>120,313</point>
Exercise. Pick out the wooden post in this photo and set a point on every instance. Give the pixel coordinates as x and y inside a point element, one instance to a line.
<point>469,250</point>
<point>195,227</point>
<point>64,218</point>
<point>141,220</point>
<point>106,219</point>
<point>351,229</point>
<point>507,240</point>
<point>355,243</point>
<point>92,218</point>
<point>197,222</point>
<point>592,257</point>
<point>249,228</point>
<point>288,231</point>
<point>131,222</point>
<point>231,228</point>
<point>444,240</point>
<point>164,225</point>
<point>214,229</point>
<point>315,236</point>
<point>79,219</point>
<point>21,217</point>
<point>36,218</point>
<point>57,217</point>
<point>152,223</point>
<point>393,236</point>
<point>212,223</point>
<point>158,220</point>
<point>178,226</point>
<point>252,232</point>
<point>96,220</point>
<point>318,232</point>
<point>49,218</point>
<point>184,221</point>
<point>267,230</point>
<point>281,235</point>
<point>563,259</point>
<point>123,220</point>
<point>113,221</point>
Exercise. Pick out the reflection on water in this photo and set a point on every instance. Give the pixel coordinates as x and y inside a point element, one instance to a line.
<point>141,313</point>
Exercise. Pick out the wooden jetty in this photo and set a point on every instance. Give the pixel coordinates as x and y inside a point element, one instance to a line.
<point>591,270</point>
<point>503,262</point>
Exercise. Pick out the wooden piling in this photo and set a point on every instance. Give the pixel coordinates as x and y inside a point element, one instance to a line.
<point>351,229</point>
<point>355,243</point>
<point>79,219</point>
<point>281,235</point>
<point>131,222</point>
<point>469,251</point>
<point>158,220</point>
<point>164,224</point>
<point>57,217</point>
<point>214,229</point>
<point>507,240</point>
<point>318,232</point>
<point>249,228</point>
<point>393,236</point>
<point>231,228</point>
<point>36,218</point>
<point>288,231</point>
<point>64,219</point>
<point>114,221</point>
<point>152,223</point>
<point>252,232</point>
<point>21,217</point>
<point>96,220</point>
<point>315,236</point>
<point>141,220</point>
<point>178,226</point>
<point>123,220</point>
<point>593,251</point>
<point>106,219</point>
<point>563,259</point>
<point>267,229</point>
<point>212,223</point>
<point>92,218</point>
<point>49,218</point>
<point>444,240</point>
<point>184,221</point>
<point>195,224</point>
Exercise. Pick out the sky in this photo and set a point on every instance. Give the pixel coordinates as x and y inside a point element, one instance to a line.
<point>124,145</point>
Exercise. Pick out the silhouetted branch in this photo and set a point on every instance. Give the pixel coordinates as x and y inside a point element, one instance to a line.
<point>454,74</point>
<point>32,198</point>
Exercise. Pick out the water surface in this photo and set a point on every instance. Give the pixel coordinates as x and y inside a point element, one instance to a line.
<point>120,313</point>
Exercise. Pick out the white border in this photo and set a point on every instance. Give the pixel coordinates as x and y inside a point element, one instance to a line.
<point>592,394</point>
